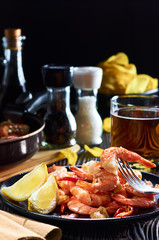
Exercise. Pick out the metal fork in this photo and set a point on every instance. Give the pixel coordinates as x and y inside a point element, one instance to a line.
<point>134,180</point>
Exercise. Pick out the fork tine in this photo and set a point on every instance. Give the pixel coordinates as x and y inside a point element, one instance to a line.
<point>125,170</point>
<point>134,180</point>
<point>140,183</point>
<point>133,175</point>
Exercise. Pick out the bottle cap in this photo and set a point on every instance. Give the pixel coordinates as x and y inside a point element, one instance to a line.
<point>55,76</point>
<point>87,77</point>
<point>13,39</point>
<point>12,32</point>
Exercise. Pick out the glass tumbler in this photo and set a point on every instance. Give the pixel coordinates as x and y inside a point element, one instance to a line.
<point>135,124</point>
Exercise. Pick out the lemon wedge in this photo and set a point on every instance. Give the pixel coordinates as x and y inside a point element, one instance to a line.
<point>44,200</point>
<point>25,186</point>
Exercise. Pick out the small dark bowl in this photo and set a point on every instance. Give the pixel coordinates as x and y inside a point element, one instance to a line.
<point>24,147</point>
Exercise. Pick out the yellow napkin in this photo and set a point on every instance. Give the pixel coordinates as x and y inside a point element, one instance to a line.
<point>13,227</point>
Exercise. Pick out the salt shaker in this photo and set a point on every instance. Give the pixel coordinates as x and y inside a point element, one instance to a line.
<point>60,129</point>
<point>86,81</point>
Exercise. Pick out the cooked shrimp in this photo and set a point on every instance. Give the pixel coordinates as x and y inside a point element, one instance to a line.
<point>122,180</point>
<point>66,185</point>
<point>103,181</point>
<point>86,170</point>
<point>90,199</point>
<point>110,155</point>
<point>57,171</point>
<point>143,202</point>
<point>60,172</point>
<point>63,196</point>
<point>134,192</point>
<point>62,199</point>
<point>63,191</point>
<point>113,206</point>
<point>121,190</point>
<point>78,207</point>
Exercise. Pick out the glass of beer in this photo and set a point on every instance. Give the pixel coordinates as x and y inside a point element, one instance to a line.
<point>135,124</point>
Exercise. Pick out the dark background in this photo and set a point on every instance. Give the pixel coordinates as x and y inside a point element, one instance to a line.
<point>83,33</point>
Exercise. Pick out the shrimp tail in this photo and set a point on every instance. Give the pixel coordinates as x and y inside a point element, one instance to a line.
<point>134,157</point>
<point>78,207</point>
<point>110,155</point>
<point>143,202</point>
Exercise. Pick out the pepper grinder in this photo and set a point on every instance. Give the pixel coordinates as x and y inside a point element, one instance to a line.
<point>60,124</point>
<point>86,81</point>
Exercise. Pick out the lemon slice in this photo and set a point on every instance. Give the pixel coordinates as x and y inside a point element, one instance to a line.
<point>44,199</point>
<point>25,186</point>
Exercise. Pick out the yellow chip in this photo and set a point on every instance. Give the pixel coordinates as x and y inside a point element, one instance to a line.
<point>141,84</point>
<point>120,59</point>
<point>120,77</point>
<point>136,86</point>
<point>107,124</point>
<point>116,78</point>
<point>70,155</point>
<point>129,69</point>
<point>95,151</point>
<point>153,84</point>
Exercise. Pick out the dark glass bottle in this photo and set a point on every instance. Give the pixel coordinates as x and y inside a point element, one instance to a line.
<point>13,83</point>
<point>60,128</point>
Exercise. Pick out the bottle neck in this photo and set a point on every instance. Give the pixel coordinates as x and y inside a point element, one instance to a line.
<point>15,43</point>
<point>59,99</point>
<point>14,56</point>
<point>13,74</point>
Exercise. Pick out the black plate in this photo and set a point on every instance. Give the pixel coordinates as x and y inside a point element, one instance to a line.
<point>72,225</point>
